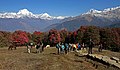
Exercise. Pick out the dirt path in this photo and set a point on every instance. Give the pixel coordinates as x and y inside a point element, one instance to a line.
<point>48,60</point>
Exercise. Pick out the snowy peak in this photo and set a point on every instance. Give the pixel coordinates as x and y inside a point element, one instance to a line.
<point>93,11</point>
<point>46,15</point>
<point>25,13</point>
<point>106,13</point>
<point>111,9</point>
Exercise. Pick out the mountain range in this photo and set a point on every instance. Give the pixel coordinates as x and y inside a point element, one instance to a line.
<point>25,13</point>
<point>27,21</point>
<point>107,18</point>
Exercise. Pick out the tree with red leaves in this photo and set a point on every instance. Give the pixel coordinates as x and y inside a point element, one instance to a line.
<point>54,36</point>
<point>37,36</point>
<point>63,34</point>
<point>20,37</point>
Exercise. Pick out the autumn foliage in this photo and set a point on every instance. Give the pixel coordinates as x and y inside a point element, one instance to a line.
<point>37,36</point>
<point>20,37</point>
<point>54,36</point>
<point>109,37</point>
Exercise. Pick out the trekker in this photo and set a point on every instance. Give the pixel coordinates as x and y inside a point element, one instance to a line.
<point>41,47</point>
<point>100,47</point>
<point>31,44</point>
<point>79,46</point>
<point>66,48</point>
<point>62,47</point>
<point>90,45</point>
<point>83,46</point>
<point>58,46</point>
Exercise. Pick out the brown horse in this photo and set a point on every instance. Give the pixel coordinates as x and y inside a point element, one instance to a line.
<point>11,47</point>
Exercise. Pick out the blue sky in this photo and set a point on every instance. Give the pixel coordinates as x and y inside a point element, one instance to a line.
<point>57,7</point>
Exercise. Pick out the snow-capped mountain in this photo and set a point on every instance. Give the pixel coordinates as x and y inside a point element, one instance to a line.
<point>93,11</point>
<point>27,21</point>
<point>25,13</point>
<point>103,18</point>
<point>109,12</point>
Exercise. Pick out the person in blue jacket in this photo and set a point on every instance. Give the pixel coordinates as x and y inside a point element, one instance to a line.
<point>79,46</point>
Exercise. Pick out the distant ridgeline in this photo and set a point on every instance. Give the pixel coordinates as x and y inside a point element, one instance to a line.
<point>27,21</point>
<point>106,18</point>
<point>109,37</point>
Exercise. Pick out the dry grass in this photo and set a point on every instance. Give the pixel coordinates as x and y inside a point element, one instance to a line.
<point>48,60</point>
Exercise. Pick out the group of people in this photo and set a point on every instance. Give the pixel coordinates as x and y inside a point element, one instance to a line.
<point>66,47</point>
<point>62,47</point>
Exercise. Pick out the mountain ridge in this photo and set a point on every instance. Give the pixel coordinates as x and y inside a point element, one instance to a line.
<point>25,13</point>
<point>93,17</point>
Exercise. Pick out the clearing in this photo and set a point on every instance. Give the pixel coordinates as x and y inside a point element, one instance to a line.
<point>49,60</point>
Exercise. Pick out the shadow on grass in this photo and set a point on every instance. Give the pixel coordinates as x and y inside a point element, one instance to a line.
<point>54,53</point>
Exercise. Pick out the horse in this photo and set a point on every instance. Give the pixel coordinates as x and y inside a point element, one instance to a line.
<point>39,47</point>
<point>29,48</point>
<point>11,47</point>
